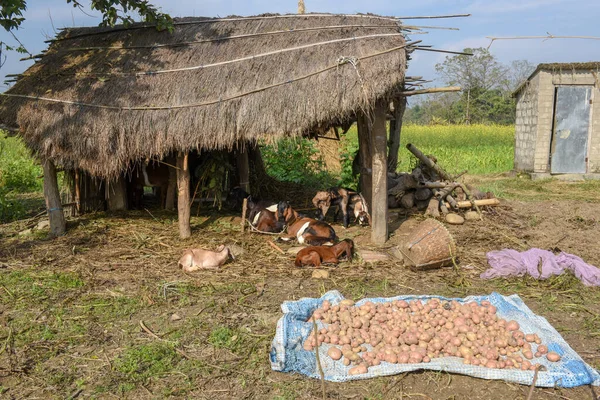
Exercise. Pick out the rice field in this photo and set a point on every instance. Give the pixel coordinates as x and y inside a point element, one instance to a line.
<point>479,149</point>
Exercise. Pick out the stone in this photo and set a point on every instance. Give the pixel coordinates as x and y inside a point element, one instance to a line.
<point>175,317</point>
<point>320,274</point>
<point>26,232</point>
<point>454,219</point>
<point>471,216</point>
<point>372,256</point>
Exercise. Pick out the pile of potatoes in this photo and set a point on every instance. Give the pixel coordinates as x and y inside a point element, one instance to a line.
<point>413,332</point>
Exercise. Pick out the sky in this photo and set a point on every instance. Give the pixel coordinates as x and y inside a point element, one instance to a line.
<point>488,18</point>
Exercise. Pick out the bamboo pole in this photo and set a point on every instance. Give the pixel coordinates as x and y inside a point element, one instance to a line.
<point>436,16</point>
<point>432,90</point>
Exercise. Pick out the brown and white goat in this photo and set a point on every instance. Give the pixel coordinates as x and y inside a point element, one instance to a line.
<point>195,259</point>
<point>317,255</point>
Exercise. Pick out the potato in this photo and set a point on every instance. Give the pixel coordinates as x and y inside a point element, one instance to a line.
<point>334,353</point>
<point>542,349</point>
<point>512,325</point>
<point>553,356</point>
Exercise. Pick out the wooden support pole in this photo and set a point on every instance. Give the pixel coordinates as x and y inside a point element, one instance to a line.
<point>395,129</point>
<point>379,209</point>
<point>364,155</point>
<point>432,90</point>
<point>183,195</point>
<point>53,203</point>
<point>243,168</point>
<point>171,187</point>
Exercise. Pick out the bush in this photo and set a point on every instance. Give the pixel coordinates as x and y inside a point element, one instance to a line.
<point>18,173</point>
<point>298,161</point>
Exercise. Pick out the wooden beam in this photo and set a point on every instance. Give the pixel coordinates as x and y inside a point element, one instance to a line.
<point>364,155</point>
<point>432,90</point>
<point>53,203</point>
<point>243,167</point>
<point>183,198</point>
<point>116,194</point>
<point>379,209</point>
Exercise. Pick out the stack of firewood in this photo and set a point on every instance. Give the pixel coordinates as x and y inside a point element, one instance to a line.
<point>429,187</point>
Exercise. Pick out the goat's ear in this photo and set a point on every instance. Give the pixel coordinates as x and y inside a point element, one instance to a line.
<point>220,247</point>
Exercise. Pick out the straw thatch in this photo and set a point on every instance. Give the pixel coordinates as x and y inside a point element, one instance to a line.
<point>131,98</point>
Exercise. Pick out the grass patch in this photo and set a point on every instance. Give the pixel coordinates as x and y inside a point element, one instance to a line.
<point>524,189</point>
<point>139,363</point>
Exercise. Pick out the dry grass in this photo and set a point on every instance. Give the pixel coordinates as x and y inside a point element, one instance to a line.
<point>283,93</point>
<point>70,309</point>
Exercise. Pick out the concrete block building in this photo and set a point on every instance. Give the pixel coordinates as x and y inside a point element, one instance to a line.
<point>558,121</point>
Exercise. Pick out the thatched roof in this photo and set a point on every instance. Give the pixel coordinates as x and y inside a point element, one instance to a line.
<point>127,93</point>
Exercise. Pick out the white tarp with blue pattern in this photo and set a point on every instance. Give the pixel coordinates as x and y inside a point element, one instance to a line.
<point>288,355</point>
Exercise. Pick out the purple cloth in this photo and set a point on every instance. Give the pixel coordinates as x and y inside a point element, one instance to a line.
<point>540,264</point>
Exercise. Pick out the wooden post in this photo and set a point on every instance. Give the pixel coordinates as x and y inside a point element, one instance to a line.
<point>171,187</point>
<point>53,204</point>
<point>243,167</point>
<point>364,154</point>
<point>116,194</point>
<point>379,209</point>
<point>244,211</point>
<point>183,195</point>
<point>395,130</point>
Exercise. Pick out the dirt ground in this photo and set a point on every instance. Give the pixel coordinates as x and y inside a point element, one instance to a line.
<point>104,312</point>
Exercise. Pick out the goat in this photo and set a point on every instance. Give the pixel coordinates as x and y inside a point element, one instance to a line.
<point>317,255</point>
<point>195,259</point>
<point>304,229</point>
<point>344,200</point>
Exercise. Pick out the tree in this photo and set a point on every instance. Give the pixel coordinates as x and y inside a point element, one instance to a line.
<point>480,71</point>
<point>113,12</point>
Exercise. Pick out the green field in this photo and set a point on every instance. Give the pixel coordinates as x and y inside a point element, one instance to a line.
<point>480,149</point>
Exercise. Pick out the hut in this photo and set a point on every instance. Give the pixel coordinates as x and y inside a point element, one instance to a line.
<point>558,121</point>
<point>100,99</point>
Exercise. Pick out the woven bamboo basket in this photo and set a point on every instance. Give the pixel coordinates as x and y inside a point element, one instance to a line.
<point>428,246</point>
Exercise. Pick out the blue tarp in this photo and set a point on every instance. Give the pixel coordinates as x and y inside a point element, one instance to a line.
<point>288,355</point>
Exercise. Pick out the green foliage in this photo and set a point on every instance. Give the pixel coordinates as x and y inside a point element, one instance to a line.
<point>348,151</point>
<point>139,363</point>
<point>18,173</point>
<point>113,12</point>
<point>480,149</point>
<point>298,161</point>
<point>486,96</point>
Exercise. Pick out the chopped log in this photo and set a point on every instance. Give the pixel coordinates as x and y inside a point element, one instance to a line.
<point>428,162</point>
<point>423,194</point>
<point>422,205</point>
<point>452,202</point>
<point>478,203</point>
<point>183,197</point>
<point>379,209</point>
<point>433,208</point>
<point>434,185</point>
<point>53,203</point>
<point>447,190</point>
<point>407,201</point>
<point>404,183</point>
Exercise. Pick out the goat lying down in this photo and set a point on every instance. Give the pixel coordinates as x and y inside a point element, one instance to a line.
<point>317,255</point>
<point>195,259</point>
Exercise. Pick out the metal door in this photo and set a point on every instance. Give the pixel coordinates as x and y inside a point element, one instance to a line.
<point>571,129</point>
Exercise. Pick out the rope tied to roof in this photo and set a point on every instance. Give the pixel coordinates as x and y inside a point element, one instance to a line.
<point>347,60</point>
